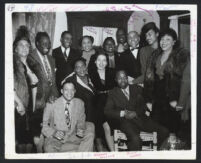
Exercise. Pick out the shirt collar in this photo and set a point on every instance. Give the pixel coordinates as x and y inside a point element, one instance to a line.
<point>64,101</point>
<point>63,49</point>
<point>41,56</point>
<point>134,48</point>
<point>126,89</point>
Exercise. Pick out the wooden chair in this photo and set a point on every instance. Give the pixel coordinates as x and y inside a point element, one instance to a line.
<point>149,141</point>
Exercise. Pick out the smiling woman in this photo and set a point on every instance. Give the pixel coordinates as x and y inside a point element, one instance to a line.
<point>25,83</point>
<point>171,87</point>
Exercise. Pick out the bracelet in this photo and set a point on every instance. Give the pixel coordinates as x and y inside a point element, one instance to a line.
<point>34,85</point>
<point>79,136</point>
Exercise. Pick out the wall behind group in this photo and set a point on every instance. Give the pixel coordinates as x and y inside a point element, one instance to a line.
<point>60,26</point>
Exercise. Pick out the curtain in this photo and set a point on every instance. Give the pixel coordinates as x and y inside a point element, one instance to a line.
<point>60,26</point>
<point>35,22</point>
<point>184,36</point>
<point>174,23</point>
<point>40,22</point>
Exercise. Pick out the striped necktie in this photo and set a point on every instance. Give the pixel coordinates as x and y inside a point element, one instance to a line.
<point>48,71</point>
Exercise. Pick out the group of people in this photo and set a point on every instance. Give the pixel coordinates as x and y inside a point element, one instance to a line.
<point>72,99</point>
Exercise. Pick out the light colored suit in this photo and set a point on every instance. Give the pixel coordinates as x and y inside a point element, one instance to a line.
<point>54,119</point>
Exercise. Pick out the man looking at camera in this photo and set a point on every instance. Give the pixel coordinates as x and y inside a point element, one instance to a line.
<point>64,124</point>
<point>125,108</point>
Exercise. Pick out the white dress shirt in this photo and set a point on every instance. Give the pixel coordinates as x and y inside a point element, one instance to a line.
<point>134,52</point>
<point>67,51</point>
<point>41,58</point>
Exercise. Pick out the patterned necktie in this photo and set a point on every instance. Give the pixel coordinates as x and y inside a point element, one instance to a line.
<point>48,71</point>
<point>67,115</point>
<point>126,94</point>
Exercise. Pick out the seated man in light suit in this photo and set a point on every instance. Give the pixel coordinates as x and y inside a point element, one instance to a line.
<point>125,110</point>
<point>64,124</point>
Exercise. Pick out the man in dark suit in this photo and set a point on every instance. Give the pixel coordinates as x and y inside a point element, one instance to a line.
<point>130,59</point>
<point>43,66</point>
<point>122,44</point>
<point>125,108</point>
<point>65,57</point>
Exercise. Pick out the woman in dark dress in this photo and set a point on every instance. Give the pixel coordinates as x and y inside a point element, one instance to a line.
<point>113,58</point>
<point>168,80</point>
<point>25,82</point>
<point>84,87</point>
<point>103,79</point>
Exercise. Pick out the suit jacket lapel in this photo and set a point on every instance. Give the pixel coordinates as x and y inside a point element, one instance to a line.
<point>122,96</point>
<point>51,64</point>
<point>37,58</point>
<point>70,56</point>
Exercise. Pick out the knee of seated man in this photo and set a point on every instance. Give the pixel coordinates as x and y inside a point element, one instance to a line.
<point>90,131</point>
<point>164,132</point>
<point>36,140</point>
<point>48,148</point>
<point>90,127</point>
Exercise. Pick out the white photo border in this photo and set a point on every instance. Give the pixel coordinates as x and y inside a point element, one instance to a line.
<point>9,96</point>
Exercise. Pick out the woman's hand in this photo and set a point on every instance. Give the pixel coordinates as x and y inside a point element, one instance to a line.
<point>33,78</point>
<point>20,109</point>
<point>185,115</point>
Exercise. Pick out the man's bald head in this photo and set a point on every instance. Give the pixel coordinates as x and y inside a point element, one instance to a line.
<point>133,39</point>
<point>122,79</point>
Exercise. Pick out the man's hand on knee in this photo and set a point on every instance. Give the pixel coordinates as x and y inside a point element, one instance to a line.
<point>59,135</point>
<point>130,114</point>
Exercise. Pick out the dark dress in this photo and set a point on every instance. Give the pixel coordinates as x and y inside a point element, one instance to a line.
<point>102,88</point>
<point>23,90</point>
<point>86,93</point>
<point>117,62</point>
<point>165,83</point>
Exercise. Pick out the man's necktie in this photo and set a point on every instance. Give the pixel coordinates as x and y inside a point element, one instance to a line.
<point>65,54</point>
<point>126,94</point>
<point>48,71</point>
<point>67,115</point>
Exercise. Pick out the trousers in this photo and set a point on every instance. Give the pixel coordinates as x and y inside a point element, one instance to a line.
<point>133,127</point>
<point>73,144</point>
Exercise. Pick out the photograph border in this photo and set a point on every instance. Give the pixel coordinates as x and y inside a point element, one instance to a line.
<point>9,105</point>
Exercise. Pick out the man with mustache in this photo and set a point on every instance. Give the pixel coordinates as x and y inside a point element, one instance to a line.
<point>43,66</point>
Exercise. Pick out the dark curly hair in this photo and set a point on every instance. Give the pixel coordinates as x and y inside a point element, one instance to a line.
<point>86,36</point>
<point>21,34</point>
<point>170,32</point>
